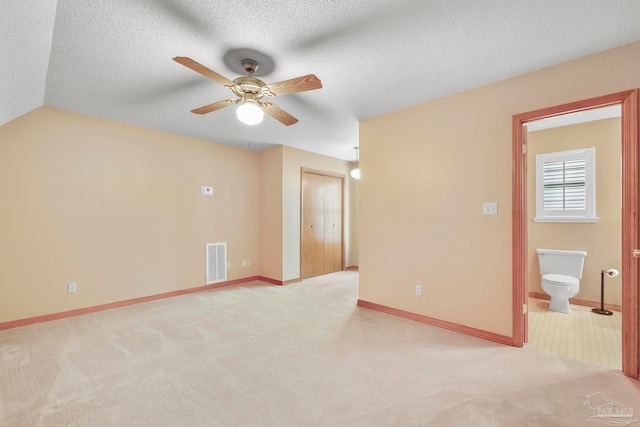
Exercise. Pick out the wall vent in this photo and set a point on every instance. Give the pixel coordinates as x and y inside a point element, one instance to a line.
<point>216,262</point>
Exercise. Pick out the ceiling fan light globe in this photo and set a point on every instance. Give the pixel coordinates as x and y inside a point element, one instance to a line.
<point>249,113</point>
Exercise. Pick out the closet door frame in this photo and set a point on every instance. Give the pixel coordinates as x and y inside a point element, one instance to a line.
<point>342,178</point>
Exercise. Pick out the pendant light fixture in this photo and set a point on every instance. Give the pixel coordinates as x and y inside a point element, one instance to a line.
<point>355,173</point>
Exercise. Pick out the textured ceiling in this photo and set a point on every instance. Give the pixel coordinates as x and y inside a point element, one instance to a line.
<point>112,58</point>
<point>26,29</point>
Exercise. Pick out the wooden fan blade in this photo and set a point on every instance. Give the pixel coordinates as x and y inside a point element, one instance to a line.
<point>299,84</point>
<point>215,106</point>
<point>199,68</point>
<point>278,113</point>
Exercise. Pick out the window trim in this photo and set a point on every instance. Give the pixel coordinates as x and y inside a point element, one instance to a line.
<point>587,215</point>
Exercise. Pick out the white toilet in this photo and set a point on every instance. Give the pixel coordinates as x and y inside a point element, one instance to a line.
<point>561,273</point>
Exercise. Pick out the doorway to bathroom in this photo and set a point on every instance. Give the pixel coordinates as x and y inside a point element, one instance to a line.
<point>569,157</point>
<point>624,242</point>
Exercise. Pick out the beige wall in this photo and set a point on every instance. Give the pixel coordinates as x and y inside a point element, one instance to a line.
<point>352,246</point>
<point>601,240</point>
<point>116,209</point>
<point>271,213</point>
<point>428,169</point>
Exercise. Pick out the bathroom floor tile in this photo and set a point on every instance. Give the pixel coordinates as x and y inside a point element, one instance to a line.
<point>581,335</point>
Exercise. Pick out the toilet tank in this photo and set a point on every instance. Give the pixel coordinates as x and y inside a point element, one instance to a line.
<point>555,261</point>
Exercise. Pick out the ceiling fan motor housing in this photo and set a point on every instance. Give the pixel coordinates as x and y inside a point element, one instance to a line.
<point>250,66</point>
<point>244,85</point>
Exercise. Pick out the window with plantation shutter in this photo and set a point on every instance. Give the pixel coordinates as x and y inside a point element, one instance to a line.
<point>565,186</point>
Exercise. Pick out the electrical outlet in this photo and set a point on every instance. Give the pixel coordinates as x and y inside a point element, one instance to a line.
<point>248,263</point>
<point>418,291</point>
<point>228,266</point>
<point>244,262</point>
<point>71,288</point>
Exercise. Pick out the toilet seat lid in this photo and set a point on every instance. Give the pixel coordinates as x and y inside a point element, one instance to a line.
<point>560,279</point>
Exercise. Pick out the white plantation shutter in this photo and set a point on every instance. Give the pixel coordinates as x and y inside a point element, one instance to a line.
<point>565,186</point>
<point>553,185</point>
<point>575,184</point>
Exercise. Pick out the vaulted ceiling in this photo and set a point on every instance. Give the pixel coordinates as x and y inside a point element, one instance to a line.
<point>113,58</point>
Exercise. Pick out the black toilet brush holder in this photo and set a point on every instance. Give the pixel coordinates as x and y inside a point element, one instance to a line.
<point>601,310</point>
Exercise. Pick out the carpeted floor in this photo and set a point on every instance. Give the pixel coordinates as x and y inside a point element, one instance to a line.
<point>299,355</point>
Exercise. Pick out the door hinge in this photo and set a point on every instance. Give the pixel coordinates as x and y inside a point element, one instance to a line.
<point>525,309</point>
<point>524,148</point>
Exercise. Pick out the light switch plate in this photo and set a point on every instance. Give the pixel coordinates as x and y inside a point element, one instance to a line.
<point>490,208</point>
<point>206,191</point>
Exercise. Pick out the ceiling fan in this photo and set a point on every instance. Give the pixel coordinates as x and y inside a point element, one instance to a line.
<point>250,91</point>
